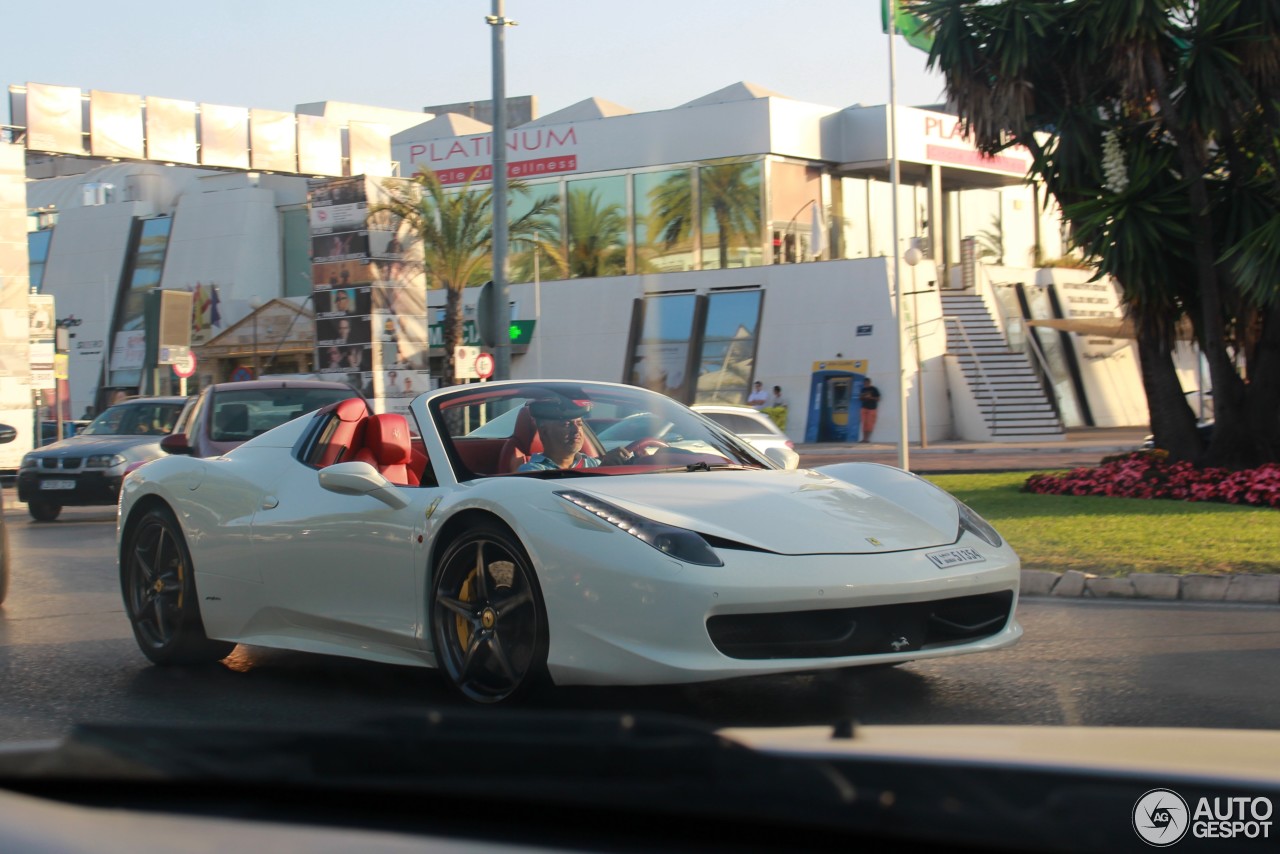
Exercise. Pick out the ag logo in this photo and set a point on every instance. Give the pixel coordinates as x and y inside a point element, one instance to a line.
<point>1160,817</point>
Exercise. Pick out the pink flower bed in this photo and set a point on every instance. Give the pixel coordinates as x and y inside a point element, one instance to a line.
<point>1148,474</point>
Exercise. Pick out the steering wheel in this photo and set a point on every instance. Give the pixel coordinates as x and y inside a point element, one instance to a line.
<point>646,444</point>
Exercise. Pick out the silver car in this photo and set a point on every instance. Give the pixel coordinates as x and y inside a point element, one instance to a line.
<point>756,428</point>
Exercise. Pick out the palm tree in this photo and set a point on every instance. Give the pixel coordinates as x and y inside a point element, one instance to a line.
<point>597,235</point>
<point>539,252</point>
<point>453,231</point>
<point>992,241</point>
<point>1155,126</point>
<point>728,193</point>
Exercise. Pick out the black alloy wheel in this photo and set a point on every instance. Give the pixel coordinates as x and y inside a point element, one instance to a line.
<point>488,621</point>
<point>159,590</point>
<point>43,511</point>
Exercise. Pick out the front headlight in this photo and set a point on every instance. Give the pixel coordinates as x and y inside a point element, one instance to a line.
<point>104,461</point>
<point>29,461</point>
<point>679,543</point>
<point>976,525</point>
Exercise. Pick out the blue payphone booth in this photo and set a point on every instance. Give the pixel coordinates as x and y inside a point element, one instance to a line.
<point>835,415</point>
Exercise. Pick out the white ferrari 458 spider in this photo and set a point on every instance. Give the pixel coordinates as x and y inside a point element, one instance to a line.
<point>491,533</point>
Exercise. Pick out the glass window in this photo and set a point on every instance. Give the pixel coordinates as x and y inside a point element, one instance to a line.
<point>597,220</point>
<point>239,415</point>
<point>533,223</point>
<point>148,263</point>
<point>128,419</point>
<point>1051,346</point>
<point>664,221</point>
<point>661,356</point>
<point>607,417</point>
<point>855,223</point>
<point>729,197</point>
<point>795,190</point>
<point>741,424</point>
<point>295,226</point>
<point>37,254</point>
<point>980,218</point>
<point>728,350</point>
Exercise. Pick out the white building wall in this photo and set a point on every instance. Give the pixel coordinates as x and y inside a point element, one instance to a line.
<point>680,135</point>
<point>87,257</point>
<point>15,377</point>
<point>228,236</point>
<point>1109,367</point>
<point>810,313</point>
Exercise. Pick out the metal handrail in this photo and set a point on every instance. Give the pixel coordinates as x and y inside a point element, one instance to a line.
<point>995,395</point>
<point>1046,381</point>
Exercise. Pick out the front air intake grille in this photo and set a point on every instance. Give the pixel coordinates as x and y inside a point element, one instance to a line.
<point>873,630</point>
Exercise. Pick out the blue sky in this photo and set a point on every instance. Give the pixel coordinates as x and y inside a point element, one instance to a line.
<point>275,54</point>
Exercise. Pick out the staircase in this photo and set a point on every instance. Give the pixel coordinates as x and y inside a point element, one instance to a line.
<point>1001,385</point>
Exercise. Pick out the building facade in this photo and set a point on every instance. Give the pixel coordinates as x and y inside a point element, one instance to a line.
<point>742,236</point>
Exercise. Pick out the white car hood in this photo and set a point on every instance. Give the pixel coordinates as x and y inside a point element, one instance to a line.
<point>788,512</point>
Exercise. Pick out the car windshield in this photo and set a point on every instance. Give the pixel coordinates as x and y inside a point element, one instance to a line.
<point>624,431</point>
<point>136,418</point>
<point>239,415</point>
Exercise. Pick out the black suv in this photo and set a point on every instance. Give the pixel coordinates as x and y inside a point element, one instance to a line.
<point>87,468</point>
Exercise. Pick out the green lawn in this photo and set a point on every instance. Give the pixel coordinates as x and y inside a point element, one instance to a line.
<point>1117,536</point>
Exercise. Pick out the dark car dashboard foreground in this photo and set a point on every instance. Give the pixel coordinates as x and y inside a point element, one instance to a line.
<point>599,781</point>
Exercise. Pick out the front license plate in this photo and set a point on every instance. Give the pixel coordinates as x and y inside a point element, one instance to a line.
<point>57,484</point>
<point>954,557</point>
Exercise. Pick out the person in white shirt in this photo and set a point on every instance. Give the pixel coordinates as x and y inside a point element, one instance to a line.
<point>758,398</point>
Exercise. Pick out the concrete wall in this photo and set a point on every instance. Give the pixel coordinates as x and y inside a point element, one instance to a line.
<point>228,235</point>
<point>86,261</point>
<point>810,313</point>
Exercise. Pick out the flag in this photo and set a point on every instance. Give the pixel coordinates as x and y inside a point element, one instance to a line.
<point>817,234</point>
<point>199,322</point>
<point>215,319</point>
<point>913,28</point>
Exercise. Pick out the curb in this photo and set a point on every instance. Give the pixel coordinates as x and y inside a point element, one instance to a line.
<point>1250,589</point>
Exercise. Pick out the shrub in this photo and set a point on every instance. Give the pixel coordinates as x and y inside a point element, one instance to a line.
<point>1149,474</point>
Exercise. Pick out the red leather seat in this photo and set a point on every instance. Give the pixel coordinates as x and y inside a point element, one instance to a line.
<point>524,443</point>
<point>387,448</point>
<point>348,433</point>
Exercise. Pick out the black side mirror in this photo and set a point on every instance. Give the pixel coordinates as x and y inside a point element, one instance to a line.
<point>7,434</point>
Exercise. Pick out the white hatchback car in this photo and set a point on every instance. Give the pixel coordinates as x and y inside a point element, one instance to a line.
<point>754,426</point>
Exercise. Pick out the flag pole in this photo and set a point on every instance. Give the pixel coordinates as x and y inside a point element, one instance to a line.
<point>904,462</point>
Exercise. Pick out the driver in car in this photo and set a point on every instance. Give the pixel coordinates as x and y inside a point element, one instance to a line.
<point>560,426</point>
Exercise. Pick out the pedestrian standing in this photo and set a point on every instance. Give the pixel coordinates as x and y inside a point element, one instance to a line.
<point>758,397</point>
<point>870,400</point>
<point>776,399</point>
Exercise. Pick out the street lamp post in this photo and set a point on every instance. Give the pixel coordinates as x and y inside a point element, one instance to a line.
<point>254,305</point>
<point>904,453</point>
<point>814,237</point>
<point>502,305</point>
<point>912,257</point>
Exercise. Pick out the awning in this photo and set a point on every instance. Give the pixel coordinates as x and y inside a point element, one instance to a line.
<point>1105,327</point>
